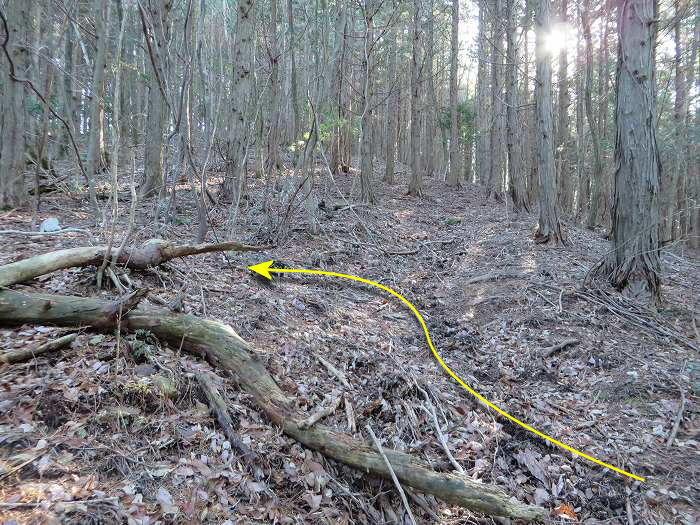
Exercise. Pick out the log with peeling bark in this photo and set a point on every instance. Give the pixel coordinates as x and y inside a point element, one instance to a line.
<point>225,349</point>
<point>152,253</point>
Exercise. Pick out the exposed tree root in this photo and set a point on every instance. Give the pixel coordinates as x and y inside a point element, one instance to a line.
<point>223,348</point>
<point>152,253</point>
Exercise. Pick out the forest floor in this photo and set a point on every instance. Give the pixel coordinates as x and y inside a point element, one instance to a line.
<point>99,443</point>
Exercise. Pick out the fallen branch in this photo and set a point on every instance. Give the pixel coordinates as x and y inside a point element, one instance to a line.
<point>152,253</point>
<point>25,354</point>
<point>218,407</point>
<point>223,348</point>
<point>676,422</point>
<point>333,370</point>
<point>393,474</point>
<point>319,414</point>
<point>549,351</point>
<point>46,233</point>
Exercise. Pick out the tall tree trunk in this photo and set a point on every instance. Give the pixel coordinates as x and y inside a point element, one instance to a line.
<point>13,192</point>
<point>429,114</point>
<point>415,184</point>
<point>453,177</point>
<point>240,100</point>
<point>596,191</point>
<point>635,213</point>
<point>562,145</point>
<point>692,149</point>
<point>548,228</point>
<point>494,182</point>
<point>672,190</point>
<point>159,38</point>
<point>102,9</point>
<point>339,83</point>
<point>366,193</point>
<point>273,161</point>
<point>528,119</point>
<point>392,113</point>
<point>68,103</point>
<point>294,95</point>
<point>582,178</point>
<point>483,160</point>
<point>516,178</point>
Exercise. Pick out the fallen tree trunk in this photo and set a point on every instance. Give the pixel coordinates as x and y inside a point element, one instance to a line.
<point>223,348</point>
<point>152,253</point>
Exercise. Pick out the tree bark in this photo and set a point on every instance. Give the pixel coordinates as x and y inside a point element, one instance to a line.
<point>273,162</point>
<point>565,192</point>
<point>392,113</point>
<point>548,228</point>
<point>222,347</point>
<point>159,39</point>
<point>102,10</point>
<point>483,160</point>
<point>596,180</point>
<point>366,193</point>
<point>415,184</point>
<point>635,213</point>
<point>234,181</point>
<point>454,173</point>
<point>13,192</point>
<point>518,195</point>
<point>429,114</point>
<point>494,182</point>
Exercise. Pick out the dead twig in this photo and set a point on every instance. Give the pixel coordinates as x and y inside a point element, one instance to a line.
<point>333,370</point>
<point>392,473</point>
<point>350,414</point>
<point>25,354</point>
<point>47,233</point>
<point>549,351</point>
<point>676,422</point>
<point>319,414</point>
<point>430,410</point>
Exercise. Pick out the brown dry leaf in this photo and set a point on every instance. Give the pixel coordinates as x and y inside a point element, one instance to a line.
<point>565,511</point>
<point>529,458</point>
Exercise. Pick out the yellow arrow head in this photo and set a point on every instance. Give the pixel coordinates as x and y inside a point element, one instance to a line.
<point>262,268</point>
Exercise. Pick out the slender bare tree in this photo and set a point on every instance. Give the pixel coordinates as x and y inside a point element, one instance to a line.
<point>548,227</point>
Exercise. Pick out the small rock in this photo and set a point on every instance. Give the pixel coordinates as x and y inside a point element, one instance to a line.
<point>145,370</point>
<point>50,225</point>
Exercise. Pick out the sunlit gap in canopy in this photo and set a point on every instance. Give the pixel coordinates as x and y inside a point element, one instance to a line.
<point>562,36</point>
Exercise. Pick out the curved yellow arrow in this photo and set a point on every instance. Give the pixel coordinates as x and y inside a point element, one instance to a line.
<point>264,270</point>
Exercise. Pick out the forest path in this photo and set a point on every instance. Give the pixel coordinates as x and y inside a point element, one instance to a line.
<point>492,301</point>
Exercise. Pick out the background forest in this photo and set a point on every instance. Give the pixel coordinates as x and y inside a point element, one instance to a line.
<point>525,172</point>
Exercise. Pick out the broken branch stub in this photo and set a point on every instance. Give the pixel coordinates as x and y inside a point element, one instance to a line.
<point>225,349</point>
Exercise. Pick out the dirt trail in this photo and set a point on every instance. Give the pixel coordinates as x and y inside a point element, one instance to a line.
<point>493,301</point>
